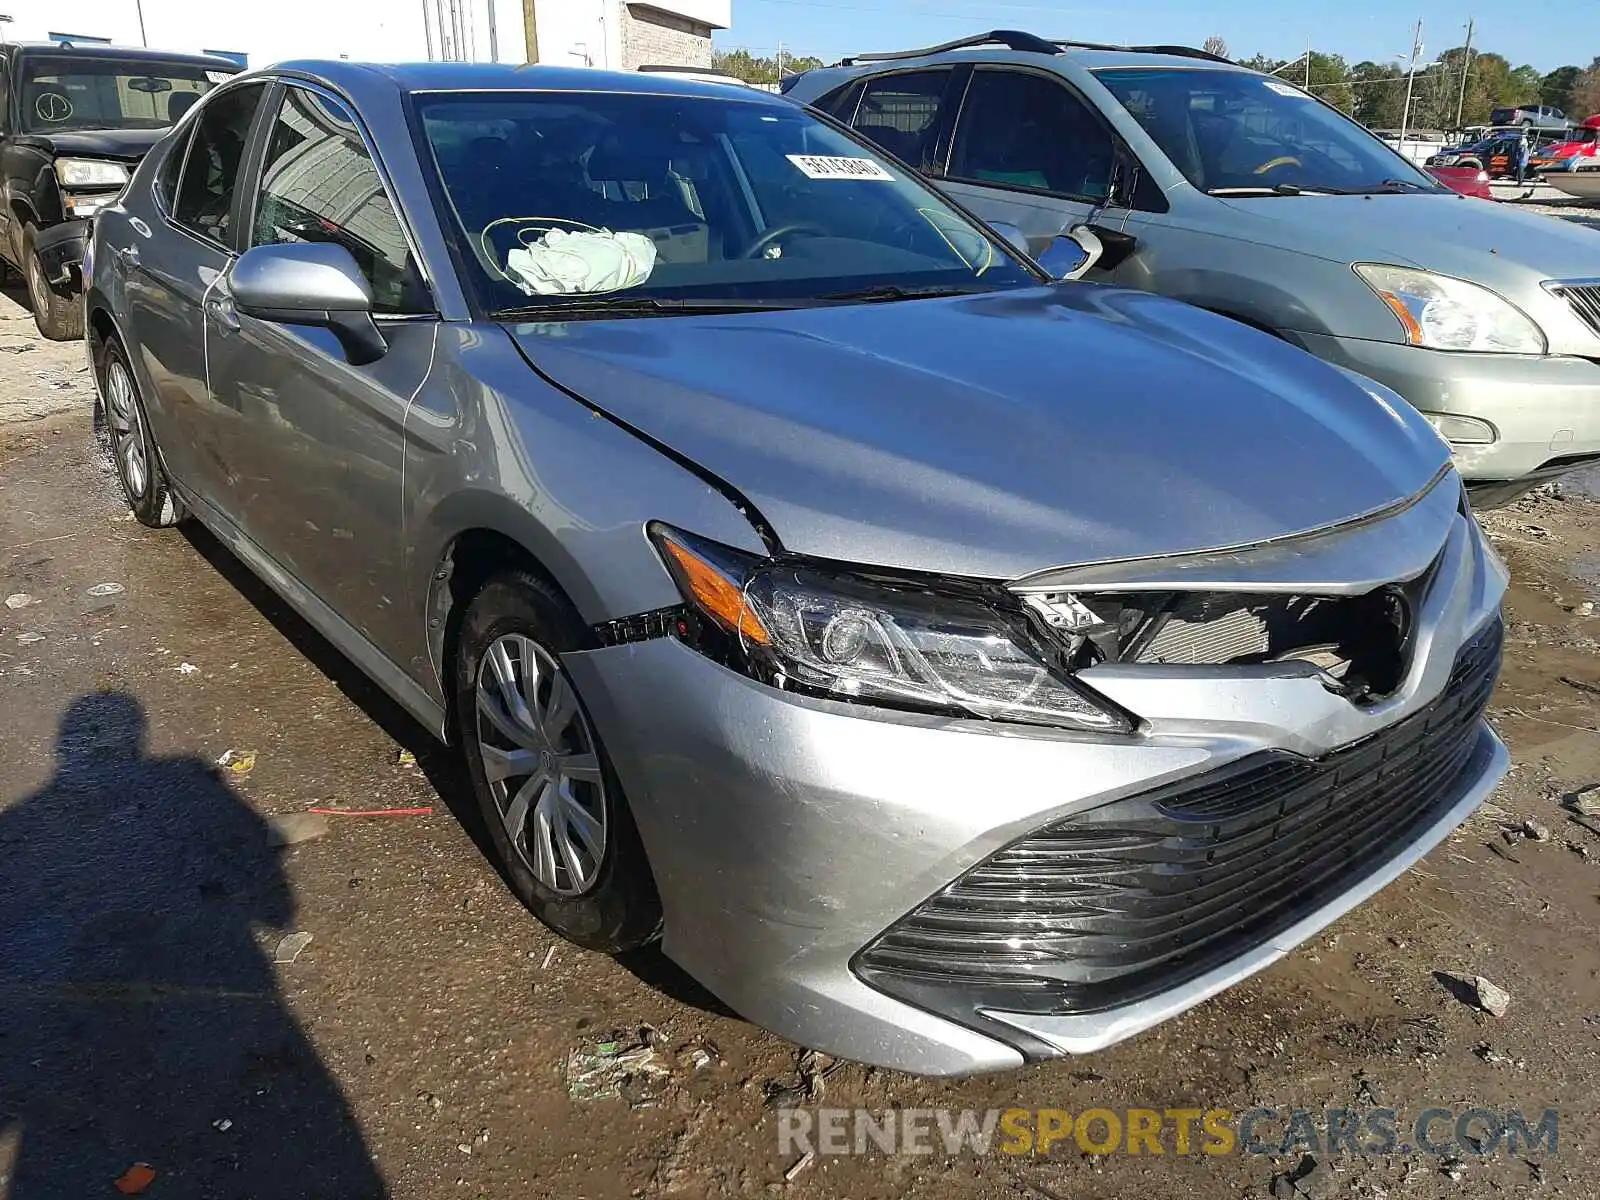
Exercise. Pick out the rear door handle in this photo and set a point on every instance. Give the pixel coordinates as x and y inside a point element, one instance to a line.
<point>128,256</point>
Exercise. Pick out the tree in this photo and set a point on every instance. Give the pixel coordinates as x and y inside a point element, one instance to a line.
<point>1586,92</point>
<point>1215,45</point>
<point>1330,81</point>
<point>1379,95</point>
<point>1557,87</point>
<point>743,65</point>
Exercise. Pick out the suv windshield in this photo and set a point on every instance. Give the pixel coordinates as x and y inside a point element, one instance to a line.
<point>687,201</point>
<point>62,93</point>
<point>1229,131</point>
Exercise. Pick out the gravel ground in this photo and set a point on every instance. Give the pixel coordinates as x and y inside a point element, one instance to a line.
<point>421,1044</point>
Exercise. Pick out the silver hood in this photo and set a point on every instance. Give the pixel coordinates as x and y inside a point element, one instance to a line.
<point>1002,434</point>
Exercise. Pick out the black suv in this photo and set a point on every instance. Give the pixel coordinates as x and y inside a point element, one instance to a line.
<point>74,122</point>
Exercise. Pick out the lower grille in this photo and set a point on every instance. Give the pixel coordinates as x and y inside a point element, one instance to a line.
<point>1139,895</point>
<point>1584,299</point>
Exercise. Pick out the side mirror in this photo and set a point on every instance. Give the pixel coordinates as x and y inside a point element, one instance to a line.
<point>310,283</point>
<point>1012,236</point>
<point>1072,255</point>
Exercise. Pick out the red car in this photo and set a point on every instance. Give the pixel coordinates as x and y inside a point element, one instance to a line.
<point>1469,181</point>
<point>1584,142</point>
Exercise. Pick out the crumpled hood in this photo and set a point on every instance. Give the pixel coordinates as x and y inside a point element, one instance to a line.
<point>1489,243</point>
<point>1001,434</point>
<point>128,145</point>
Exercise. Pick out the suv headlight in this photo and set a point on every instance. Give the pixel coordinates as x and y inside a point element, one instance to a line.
<point>858,636</point>
<point>1442,313</point>
<point>90,172</point>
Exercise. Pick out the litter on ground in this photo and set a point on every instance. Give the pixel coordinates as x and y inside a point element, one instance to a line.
<point>289,948</point>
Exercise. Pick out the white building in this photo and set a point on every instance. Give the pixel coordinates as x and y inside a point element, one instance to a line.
<point>620,34</point>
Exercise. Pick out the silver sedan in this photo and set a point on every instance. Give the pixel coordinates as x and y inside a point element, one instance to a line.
<point>951,663</point>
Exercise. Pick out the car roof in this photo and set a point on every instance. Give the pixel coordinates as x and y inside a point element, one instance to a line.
<point>508,77</point>
<point>126,53</point>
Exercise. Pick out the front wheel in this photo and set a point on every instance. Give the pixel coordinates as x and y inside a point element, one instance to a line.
<point>551,802</point>
<point>60,318</point>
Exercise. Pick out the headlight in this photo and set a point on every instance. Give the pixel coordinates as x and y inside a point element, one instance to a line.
<point>1451,314</point>
<point>868,639</point>
<point>90,172</point>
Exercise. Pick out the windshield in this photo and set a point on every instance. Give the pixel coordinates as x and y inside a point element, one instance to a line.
<point>1246,133</point>
<point>563,197</point>
<point>75,93</point>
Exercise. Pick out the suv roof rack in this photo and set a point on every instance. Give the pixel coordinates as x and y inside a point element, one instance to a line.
<point>1176,51</point>
<point>1011,39</point>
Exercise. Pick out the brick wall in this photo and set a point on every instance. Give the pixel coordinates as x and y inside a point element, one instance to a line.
<point>651,37</point>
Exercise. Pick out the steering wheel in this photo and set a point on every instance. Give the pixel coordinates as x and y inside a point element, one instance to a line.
<point>762,240</point>
<point>1274,164</point>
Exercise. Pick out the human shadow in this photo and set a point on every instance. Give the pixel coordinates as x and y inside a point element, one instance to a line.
<point>140,1018</point>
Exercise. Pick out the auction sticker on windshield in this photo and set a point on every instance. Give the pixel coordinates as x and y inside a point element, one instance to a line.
<point>823,166</point>
<point>1284,89</point>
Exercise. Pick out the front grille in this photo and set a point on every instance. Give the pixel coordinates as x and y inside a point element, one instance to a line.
<point>1136,896</point>
<point>1584,299</point>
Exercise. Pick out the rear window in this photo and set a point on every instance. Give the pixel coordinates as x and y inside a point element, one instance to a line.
<point>62,93</point>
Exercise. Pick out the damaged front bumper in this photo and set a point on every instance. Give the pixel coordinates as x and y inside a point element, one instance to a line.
<point>793,839</point>
<point>61,250</point>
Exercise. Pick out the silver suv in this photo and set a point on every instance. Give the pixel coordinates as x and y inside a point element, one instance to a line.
<point>1243,194</point>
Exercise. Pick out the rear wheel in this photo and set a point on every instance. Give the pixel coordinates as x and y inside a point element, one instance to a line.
<point>552,804</point>
<point>125,434</point>
<point>60,318</point>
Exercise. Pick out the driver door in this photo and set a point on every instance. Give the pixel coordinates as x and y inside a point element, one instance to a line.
<point>317,468</point>
<point>1028,152</point>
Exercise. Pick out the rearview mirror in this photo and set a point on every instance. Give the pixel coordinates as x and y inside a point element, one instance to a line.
<point>1072,255</point>
<point>310,283</point>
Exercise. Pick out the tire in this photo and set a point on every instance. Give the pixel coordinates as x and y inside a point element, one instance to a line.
<point>124,431</point>
<point>609,902</point>
<point>60,318</point>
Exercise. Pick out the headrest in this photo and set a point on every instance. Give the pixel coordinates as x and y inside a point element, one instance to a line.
<point>179,103</point>
<point>616,160</point>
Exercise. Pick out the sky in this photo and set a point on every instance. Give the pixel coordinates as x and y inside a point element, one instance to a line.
<point>1545,33</point>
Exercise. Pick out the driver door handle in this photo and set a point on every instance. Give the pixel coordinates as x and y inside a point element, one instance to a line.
<point>220,309</point>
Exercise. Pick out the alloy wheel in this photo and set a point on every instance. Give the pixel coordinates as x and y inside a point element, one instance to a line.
<point>542,765</point>
<point>126,424</point>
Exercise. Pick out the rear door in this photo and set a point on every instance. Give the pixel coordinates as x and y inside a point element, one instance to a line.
<point>316,468</point>
<point>904,112</point>
<point>171,265</point>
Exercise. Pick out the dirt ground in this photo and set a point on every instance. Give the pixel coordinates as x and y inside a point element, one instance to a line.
<point>418,1046</point>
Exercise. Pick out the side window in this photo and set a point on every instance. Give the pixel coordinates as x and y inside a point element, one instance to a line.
<point>901,113</point>
<point>318,184</point>
<point>840,104</point>
<point>1023,130</point>
<point>211,176</point>
<point>167,181</point>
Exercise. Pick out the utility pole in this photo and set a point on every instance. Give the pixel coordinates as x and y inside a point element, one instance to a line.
<point>138,6</point>
<point>780,62</point>
<point>1411,79</point>
<point>1466,69</point>
<point>494,36</point>
<point>530,29</point>
<point>1308,64</point>
<point>427,28</point>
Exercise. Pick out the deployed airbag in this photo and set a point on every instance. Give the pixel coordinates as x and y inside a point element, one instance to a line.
<point>587,261</point>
